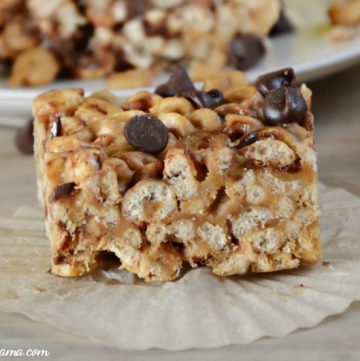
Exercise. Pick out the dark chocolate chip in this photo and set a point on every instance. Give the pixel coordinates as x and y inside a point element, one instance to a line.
<point>201,99</point>
<point>178,83</point>
<point>56,127</point>
<point>234,240</point>
<point>59,259</point>
<point>213,98</point>
<point>74,50</point>
<point>177,245</point>
<point>24,139</point>
<point>121,63</point>
<point>5,68</point>
<point>248,139</point>
<point>137,7</point>
<point>275,80</point>
<point>156,29</point>
<point>195,97</point>
<point>63,190</point>
<point>284,105</point>
<point>245,51</point>
<point>283,26</point>
<point>146,133</point>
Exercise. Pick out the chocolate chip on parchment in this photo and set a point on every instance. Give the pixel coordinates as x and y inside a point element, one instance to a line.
<point>146,133</point>
<point>24,139</point>
<point>245,51</point>
<point>275,80</point>
<point>63,190</point>
<point>284,105</point>
<point>282,26</point>
<point>178,83</point>
<point>56,127</point>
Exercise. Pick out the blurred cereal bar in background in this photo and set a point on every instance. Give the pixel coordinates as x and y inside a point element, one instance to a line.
<point>42,40</point>
<point>345,12</point>
<point>344,16</point>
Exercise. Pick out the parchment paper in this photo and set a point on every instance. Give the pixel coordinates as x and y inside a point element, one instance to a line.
<point>197,311</point>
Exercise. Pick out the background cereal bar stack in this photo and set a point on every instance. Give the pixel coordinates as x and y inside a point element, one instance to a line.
<point>91,38</point>
<point>224,177</point>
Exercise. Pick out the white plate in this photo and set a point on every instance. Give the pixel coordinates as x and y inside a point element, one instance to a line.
<point>308,51</point>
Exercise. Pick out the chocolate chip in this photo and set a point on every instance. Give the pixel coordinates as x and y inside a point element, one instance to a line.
<point>63,190</point>
<point>137,7</point>
<point>275,80</point>
<point>24,139</point>
<point>201,99</point>
<point>74,50</point>
<point>248,139</point>
<point>282,26</point>
<point>195,97</point>
<point>284,105</point>
<point>146,133</point>
<point>59,259</point>
<point>177,245</point>
<point>56,127</point>
<point>121,63</point>
<point>156,29</point>
<point>178,83</point>
<point>245,51</point>
<point>5,68</point>
<point>213,98</point>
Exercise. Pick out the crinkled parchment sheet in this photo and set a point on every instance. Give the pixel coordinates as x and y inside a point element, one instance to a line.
<point>197,311</point>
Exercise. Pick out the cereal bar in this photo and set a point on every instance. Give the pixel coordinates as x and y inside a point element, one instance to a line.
<point>223,177</point>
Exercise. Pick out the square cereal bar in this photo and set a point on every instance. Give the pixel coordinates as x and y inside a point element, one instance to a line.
<point>223,177</point>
